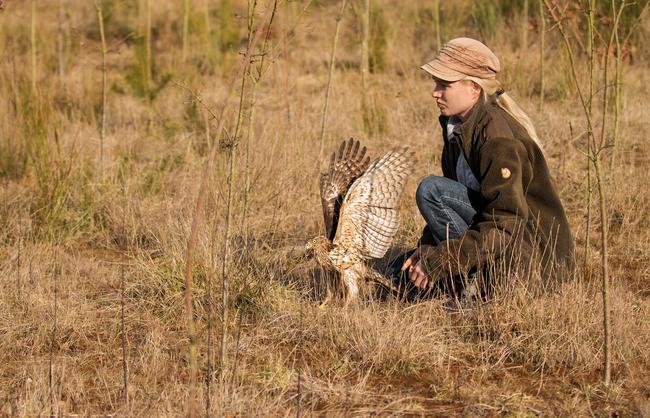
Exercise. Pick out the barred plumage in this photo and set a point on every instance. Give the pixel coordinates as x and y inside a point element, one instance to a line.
<point>360,210</point>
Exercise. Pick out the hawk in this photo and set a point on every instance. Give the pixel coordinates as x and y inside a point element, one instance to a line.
<point>359,201</point>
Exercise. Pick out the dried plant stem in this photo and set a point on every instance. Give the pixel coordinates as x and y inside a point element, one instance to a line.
<point>299,362</point>
<point>558,22</point>
<point>542,36</point>
<point>339,16</point>
<point>33,45</point>
<point>605,272</point>
<point>125,363</point>
<point>208,30</point>
<point>20,239</point>
<point>52,342</point>
<point>590,133</point>
<point>125,360</point>
<point>233,376</point>
<point>211,274</point>
<point>59,42</point>
<point>232,164</point>
<point>102,132</point>
<point>596,160</point>
<point>524,26</point>
<point>436,18</point>
<point>147,32</point>
<point>255,80</point>
<point>198,215</point>
<point>186,25</point>
<point>365,66</point>
<point>602,199</point>
<point>617,89</point>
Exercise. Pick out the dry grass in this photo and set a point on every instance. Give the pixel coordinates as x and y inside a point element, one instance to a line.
<point>519,356</point>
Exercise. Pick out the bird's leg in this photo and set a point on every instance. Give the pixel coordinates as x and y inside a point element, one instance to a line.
<point>351,287</point>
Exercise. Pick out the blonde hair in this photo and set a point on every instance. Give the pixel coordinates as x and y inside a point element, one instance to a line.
<point>507,103</point>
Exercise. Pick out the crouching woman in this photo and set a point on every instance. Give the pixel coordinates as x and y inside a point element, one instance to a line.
<point>496,208</point>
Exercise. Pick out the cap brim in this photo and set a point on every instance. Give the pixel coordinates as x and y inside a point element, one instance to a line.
<point>441,72</point>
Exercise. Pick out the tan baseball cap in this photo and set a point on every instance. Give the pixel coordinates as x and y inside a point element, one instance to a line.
<point>462,57</point>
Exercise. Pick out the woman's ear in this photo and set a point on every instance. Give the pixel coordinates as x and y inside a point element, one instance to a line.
<point>476,89</point>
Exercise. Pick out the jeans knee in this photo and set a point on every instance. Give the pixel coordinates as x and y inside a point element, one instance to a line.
<point>428,191</point>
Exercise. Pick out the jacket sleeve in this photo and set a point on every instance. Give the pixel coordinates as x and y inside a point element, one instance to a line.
<point>505,172</point>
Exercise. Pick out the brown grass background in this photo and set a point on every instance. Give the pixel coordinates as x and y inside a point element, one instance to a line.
<point>67,227</point>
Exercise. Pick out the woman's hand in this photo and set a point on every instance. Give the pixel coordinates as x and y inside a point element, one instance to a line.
<point>416,271</point>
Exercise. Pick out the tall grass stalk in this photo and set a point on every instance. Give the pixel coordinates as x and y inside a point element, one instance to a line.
<point>208,29</point>
<point>33,45</point>
<point>59,42</point>
<point>210,311</point>
<point>617,91</point>
<point>198,216</point>
<point>590,133</point>
<point>602,200</point>
<point>619,76</point>
<point>102,132</point>
<point>232,165</point>
<point>123,336</point>
<point>596,159</point>
<point>18,259</point>
<point>255,80</point>
<point>52,341</point>
<point>542,36</point>
<point>524,26</point>
<point>436,18</point>
<point>186,25</point>
<point>147,33</point>
<point>299,361</point>
<point>365,65</point>
<point>125,361</point>
<point>335,40</point>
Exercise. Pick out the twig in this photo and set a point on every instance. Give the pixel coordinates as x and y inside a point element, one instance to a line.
<point>255,79</point>
<point>102,134</point>
<point>590,133</point>
<point>213,271</point>
<point>232,158</point>
<point>339,16</point>
<point>198,215</point>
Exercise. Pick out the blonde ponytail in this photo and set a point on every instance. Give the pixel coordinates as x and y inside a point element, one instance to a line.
<point>505,102</point>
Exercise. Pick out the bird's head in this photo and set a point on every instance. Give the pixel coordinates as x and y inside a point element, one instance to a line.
<point>318,247</point>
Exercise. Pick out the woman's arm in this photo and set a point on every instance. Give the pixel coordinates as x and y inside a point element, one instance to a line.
<point>505,173</point>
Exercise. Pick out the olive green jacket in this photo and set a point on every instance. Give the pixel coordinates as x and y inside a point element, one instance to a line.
<point>523,221</point>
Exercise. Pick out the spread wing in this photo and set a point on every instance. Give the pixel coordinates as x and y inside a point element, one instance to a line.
<point>345,168</point>
<point>369,218</point>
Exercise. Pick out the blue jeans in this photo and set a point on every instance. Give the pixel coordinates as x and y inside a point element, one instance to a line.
<point>448,207</point>
<point>445,203</point>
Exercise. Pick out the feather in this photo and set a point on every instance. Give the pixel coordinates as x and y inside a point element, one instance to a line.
<point>368,218</point>
<point>345,167</point>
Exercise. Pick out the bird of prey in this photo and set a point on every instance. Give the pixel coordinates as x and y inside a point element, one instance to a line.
<point>359,201</point>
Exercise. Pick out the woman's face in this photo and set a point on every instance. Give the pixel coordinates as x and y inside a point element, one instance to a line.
<point>455,98</point>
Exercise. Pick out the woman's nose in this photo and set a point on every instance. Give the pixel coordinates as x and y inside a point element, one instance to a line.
<point>435,93</point>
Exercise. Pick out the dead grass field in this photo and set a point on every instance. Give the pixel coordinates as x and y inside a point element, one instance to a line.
<point>67,225</point>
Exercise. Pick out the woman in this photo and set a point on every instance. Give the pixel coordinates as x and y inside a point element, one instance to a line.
<point>496,208</point>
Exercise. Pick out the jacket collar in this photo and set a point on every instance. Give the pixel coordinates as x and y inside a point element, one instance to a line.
<point>477,118</point>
